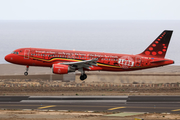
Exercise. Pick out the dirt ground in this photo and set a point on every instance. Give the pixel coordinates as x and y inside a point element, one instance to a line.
<point>55,115</point>
<point>102,91</point>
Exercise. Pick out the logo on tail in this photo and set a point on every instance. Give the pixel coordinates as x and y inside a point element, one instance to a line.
<point>159,46</point>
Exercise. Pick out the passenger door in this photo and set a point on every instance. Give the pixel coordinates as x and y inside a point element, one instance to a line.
<point>26,53</point>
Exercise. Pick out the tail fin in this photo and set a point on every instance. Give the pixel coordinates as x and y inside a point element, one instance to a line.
<point>159,46</point>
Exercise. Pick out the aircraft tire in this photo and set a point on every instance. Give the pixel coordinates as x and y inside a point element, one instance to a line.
<point>25,73</point>
<point>83,77</point>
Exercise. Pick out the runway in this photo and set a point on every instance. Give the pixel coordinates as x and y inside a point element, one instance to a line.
<point>158,104</point>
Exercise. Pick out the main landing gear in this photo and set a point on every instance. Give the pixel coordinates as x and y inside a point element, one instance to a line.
<point>83,75</point>
<point>27,68</point>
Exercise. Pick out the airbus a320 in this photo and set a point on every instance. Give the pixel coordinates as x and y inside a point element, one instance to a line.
<point>65,61</point>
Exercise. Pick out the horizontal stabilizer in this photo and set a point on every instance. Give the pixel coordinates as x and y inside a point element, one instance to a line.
<point>158,61</point>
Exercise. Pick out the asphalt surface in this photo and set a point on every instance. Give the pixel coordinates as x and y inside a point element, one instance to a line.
<point>158,104</point>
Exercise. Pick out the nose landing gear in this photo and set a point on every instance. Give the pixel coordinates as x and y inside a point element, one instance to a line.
<point>26,73</point>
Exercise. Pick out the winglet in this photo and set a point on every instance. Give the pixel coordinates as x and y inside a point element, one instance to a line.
<point>159,46</point>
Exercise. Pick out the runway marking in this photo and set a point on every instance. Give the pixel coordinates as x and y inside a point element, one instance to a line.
<point>46,106</point>
<point>176,110</point>
<point>116,108</point>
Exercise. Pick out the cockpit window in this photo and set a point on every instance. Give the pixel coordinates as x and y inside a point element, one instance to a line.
<point>15,52</point>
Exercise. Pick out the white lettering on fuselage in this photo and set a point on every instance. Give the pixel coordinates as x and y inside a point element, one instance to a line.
<point>76,54</point>
<point>126,62</point>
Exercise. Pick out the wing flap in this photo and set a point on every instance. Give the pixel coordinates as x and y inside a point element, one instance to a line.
<point>82,64</point>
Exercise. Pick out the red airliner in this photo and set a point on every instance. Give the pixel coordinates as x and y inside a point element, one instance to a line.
<point>65,61</point>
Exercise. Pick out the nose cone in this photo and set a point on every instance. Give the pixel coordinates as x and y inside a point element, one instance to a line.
<point>7,58</point>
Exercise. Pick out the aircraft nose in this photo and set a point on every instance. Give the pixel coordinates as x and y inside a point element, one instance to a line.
<point>7,58</point>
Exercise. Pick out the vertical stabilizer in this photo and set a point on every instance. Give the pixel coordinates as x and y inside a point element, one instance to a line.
<point>159,46</point>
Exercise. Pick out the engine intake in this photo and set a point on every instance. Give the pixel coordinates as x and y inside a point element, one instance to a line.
<point>61,69</point>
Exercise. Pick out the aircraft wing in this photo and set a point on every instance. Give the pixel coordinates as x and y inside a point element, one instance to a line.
<point>82,64</point>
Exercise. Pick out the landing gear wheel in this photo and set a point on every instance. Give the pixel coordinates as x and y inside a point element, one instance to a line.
<point>83,77</point>
<point>25,73</point>
<point>27,68</point>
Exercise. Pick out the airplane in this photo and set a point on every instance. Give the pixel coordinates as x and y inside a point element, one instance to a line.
<point>65,61</point>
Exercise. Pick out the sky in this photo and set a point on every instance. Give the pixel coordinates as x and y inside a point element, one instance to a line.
<point>89,10</point>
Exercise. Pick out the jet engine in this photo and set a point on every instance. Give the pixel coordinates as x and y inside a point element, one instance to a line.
<point>61,69</point>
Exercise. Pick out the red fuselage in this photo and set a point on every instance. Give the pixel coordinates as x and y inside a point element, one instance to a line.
<point>105,61</point>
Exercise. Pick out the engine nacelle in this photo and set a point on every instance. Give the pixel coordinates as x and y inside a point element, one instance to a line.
<point>60,69</point>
